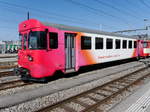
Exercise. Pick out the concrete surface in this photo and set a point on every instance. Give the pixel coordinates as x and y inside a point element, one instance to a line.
<point>137,102</point>
<point>6,101</point>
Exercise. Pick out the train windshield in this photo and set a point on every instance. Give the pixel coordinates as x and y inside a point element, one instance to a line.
<point>37,40</point>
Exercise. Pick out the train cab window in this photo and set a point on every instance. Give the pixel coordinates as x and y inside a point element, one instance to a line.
<point>85,42</point>
<point>109,43</point>
<point>53,40</point>
<point>124,44</point>
<point>98,43</point>
<point>130,44</point>
<point>25,41</point>
<point>37,40</point>
<point>117,42</point>
<point>20,41</point>
<point>135,44</point>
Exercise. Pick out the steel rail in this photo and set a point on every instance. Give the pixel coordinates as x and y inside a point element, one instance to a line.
<point>8,56</point>
<point>8,66</point>
<point>123,81</point>
<point>6,73</point>
<point>8,62</point>
<point>13,84</point>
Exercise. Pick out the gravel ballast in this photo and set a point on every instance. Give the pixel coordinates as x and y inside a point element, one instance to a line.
<point>49,94</point>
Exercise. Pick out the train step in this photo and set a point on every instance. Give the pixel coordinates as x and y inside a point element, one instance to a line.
<point>69,70</point>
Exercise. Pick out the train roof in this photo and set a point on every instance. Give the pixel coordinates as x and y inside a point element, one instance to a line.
<point>85,30</point>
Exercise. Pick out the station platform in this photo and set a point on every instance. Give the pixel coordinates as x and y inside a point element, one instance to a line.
<point>139,101</point>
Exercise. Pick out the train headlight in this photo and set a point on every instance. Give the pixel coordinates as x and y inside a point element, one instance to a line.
<point>30,58</point>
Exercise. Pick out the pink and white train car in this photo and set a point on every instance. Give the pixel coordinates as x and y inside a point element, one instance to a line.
<point>47,48</point>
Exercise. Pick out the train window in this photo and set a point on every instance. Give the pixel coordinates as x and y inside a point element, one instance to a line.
<point>117,43</point>
<point>37,40</point>
<point>85,42</point>
<point>145,44</point>
<point>20,41</point>
<point>66,43</point>
<point>130,44</point>
<point>53,40</point>
<point>124,45</point>
<point>25,41</point>
<point>98,43</point>
<point>135,44</point>
<point>109,43</point>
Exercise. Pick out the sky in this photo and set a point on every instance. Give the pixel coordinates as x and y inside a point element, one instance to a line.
<point>105,15</point>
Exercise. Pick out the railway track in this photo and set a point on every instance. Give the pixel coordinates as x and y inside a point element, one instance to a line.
<point>6,73</point>
<point>94,99</point>
<point>8,62</point>
<point>8,66</point>
<point>13,84</point>
<point>15,56</point>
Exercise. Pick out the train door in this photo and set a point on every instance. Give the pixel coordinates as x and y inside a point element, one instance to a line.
<point>138,48</point>
<point>70,52</point>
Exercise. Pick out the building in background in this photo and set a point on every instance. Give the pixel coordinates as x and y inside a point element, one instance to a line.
<point>2,47</point>
<point>9,46</point>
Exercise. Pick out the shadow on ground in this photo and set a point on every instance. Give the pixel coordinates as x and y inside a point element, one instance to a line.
<point>85,69</point>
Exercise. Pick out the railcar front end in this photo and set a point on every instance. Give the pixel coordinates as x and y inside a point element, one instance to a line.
<point>39,56</point>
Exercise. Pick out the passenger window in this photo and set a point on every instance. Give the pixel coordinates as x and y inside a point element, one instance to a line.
<point>85,42</point>
<point>53,40</point>
<point>145,44</point>
<point>135,44</point>
<point>124,45</point>
<point>130,44</point>
<point>98,43</point>
<point>117,44</point>
<point>109,43</point>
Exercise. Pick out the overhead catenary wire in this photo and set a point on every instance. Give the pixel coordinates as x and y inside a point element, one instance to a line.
<point>145,4</point>
<point>100,12</point>
<point>54,15</point>
<point>43,15</point>
<point>38,10</point>
<point>46,14</point>
<point>117,9</point>
<point>135,9</point>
